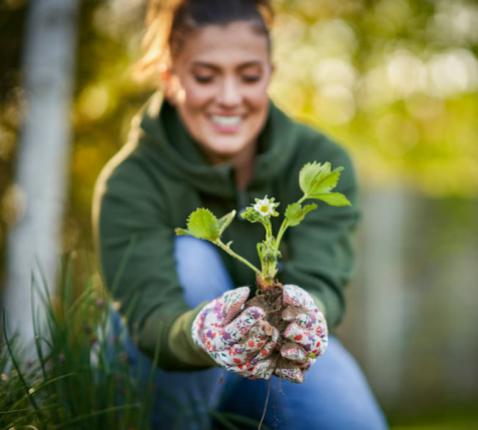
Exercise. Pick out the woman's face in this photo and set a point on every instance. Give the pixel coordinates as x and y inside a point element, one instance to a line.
<point>218,83</point>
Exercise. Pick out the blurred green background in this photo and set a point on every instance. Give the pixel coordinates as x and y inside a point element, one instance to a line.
<point>396,82</point>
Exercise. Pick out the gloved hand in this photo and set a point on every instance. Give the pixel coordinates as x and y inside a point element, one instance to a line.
<point>239,340</point>
<point>307,333</point>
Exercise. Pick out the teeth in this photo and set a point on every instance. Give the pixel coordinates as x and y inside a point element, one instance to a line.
<point>226,120</point>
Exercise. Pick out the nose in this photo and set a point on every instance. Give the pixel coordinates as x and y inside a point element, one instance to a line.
<point>229,92</point>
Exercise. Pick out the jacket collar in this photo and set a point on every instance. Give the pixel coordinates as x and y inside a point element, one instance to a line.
<point>179,154</point>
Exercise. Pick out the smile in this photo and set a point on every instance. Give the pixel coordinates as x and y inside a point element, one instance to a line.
<point>226,124</point>
<point>226,121</point>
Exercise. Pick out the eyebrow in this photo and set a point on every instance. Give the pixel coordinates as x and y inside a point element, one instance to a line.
<point>216,68</point>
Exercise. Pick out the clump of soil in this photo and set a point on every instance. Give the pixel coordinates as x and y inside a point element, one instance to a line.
<point>270,299</point>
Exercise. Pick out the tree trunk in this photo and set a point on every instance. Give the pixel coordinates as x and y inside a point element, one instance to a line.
<point>42,159</point>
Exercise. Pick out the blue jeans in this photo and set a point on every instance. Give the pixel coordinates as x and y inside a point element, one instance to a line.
<point>335,394</point>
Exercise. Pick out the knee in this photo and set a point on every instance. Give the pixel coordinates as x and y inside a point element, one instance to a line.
<point>337,391</point>
<point>200,270</point>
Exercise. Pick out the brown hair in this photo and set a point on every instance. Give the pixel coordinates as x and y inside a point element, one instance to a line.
<point>170,22</point>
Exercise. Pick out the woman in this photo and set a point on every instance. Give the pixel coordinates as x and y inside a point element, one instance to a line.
<point>212,138</point>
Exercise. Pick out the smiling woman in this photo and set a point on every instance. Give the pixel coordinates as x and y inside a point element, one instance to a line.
<point>211,136</point>
<point>218,82</point>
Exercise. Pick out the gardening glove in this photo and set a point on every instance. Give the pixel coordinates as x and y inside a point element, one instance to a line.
<point>236,338</point>
<point>307,334</point>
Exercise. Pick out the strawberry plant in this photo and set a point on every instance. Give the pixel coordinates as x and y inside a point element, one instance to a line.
<point>317,182</point>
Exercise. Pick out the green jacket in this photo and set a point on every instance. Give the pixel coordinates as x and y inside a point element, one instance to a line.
<point>160,176</point>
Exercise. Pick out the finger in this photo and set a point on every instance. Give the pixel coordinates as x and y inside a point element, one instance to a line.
<point>321,329</point>
<point>296,296</point>
<point>217,314</point>
<point>309,320</point>
<point>293,374</point>
<point>259,334</point>
<point>239,327</point>
<point>262,369</point>
<point>268,348</point>
<point>268,336</point>
<point>265,352</point>
<point>306,366</point>
<point>233,302</point>
<point>296,333</point>
<point>319,347</point>
<point>241,353</point>
<point>293,352</point>
<point>290,313</point>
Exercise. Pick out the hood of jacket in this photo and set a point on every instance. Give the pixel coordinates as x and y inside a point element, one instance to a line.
<point>163,134</point>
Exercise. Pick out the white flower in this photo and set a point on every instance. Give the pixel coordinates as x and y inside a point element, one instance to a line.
<point>265,207</point>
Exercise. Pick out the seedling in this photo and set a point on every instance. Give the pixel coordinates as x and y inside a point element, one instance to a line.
<point>317,182</point>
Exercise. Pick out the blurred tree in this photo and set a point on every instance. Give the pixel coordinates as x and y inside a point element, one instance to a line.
<point>42,160</point>
<point>12,19</point>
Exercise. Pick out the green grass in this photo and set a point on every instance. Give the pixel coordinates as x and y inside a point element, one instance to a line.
<point>79,377</point>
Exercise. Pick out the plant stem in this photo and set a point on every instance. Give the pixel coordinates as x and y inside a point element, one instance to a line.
<point>227,249</point>
<point>283,227</point>
<point>302,199</point>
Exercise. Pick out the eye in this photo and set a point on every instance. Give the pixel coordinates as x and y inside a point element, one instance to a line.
<point>251,78</point>
<point>203,79</point>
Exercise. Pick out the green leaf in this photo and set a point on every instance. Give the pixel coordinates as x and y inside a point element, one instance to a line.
<point>333,199</point>
<point>225,221</point>
<point>309,173</point>
<point>317,178</point>
<point>204,225</point>
<point>295,213</point>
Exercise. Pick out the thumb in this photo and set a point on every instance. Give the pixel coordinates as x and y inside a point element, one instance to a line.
<point>295,296</point>
<point>233,302</point>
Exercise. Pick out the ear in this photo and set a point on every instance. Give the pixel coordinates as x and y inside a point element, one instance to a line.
<point>167,79</point>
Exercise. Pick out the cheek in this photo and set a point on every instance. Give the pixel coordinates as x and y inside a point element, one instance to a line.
<point>258,97</point>
<point>196,96</point>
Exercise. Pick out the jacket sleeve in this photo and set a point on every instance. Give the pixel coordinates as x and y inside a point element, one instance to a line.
<point>319,251</point>
<point>135,247</point>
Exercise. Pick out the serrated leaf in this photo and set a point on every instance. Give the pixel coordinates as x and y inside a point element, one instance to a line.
<point>204,225</point>
<point>333,199</point>
<point>225,221</point>
<point>309,208</point>
<point>295,213</point>
<point>317,178</point>
<point>309,174</point>
<point>329,182</point>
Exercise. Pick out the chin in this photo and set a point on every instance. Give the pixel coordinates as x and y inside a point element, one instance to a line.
<point>232,151</point>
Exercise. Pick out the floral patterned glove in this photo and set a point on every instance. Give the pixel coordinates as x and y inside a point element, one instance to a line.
<point>239,340</point>
<point>307,333</point>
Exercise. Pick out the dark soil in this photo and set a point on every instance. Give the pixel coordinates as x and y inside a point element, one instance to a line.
<point>270,299</point>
